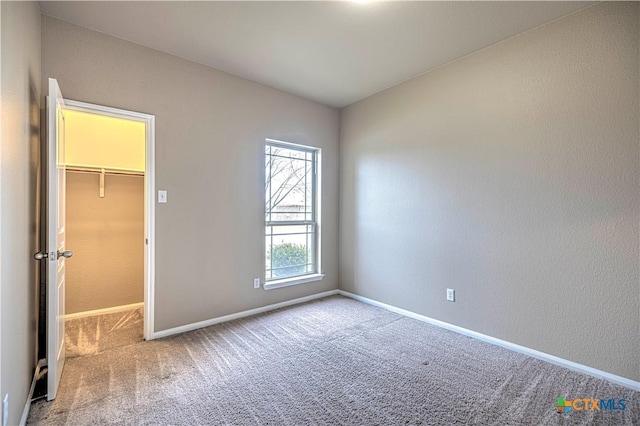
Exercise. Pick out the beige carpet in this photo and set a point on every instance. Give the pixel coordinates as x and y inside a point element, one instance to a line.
<point>331,361</point>
<point>98,333</point>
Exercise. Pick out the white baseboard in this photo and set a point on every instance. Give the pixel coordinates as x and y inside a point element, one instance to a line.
<point>580,368</point>
<point>27,404</point>
<point>103,311</point>
<point>206,323</point>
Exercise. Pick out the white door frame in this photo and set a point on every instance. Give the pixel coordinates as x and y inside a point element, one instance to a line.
<point>149,199</point>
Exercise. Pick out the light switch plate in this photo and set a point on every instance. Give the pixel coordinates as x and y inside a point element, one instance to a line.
<point>162,196</point>
<point>451,295</point>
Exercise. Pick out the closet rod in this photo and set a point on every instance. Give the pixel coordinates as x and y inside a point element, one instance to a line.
<point>106,170</point>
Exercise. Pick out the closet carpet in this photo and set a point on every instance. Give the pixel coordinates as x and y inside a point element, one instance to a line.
<point>330,361</point>
<point>95,334</point>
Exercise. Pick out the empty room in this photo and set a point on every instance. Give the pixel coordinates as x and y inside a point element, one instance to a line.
<point>322,212</point>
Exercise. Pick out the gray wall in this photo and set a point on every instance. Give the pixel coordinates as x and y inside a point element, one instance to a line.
<point>19,156</point>
<point>210,131</point>
<point>101,229</point>
<point>512,177</point>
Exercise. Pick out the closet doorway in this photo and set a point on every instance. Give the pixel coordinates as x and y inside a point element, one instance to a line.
<point>109,223</point>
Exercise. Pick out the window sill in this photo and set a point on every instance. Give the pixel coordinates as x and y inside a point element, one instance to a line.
<point>272,285</point>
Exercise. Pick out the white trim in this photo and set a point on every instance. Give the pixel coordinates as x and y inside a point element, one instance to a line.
<point>2,113</point>
<point>286,282</point>
<point>250,312</point>
<point>290,145</point>
<point>27,404</point>
<point>150,230</point>
<point>318,207</point>
<point>103,311</point>
<point>149,199</point>
<point>580,368</point>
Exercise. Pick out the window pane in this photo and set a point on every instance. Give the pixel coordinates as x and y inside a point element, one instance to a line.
<point>289,250</point>
<point>288,184</point>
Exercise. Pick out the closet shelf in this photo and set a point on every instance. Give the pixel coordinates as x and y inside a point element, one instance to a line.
<point>106,170</point>
<point>102,172</point>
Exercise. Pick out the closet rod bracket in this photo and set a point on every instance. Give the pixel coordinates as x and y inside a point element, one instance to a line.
<point>101,183</point>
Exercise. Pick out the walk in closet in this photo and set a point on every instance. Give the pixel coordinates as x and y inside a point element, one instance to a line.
<point>105,170</point>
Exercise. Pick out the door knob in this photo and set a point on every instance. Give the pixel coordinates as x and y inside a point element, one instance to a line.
<point>40,255</point>
<point>66,253</point>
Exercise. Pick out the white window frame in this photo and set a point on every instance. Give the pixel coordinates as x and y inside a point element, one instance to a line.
<point>317,275</point>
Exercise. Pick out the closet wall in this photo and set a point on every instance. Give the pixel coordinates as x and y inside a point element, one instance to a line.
<point>107,239</point>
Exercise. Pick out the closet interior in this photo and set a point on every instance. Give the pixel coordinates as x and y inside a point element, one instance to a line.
<point>105,178</point>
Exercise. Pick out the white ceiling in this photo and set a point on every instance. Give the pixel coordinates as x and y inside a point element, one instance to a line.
<point>332,52</point>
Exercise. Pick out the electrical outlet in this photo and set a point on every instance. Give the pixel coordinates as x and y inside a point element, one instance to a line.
<point>451,295</point>
<point>5,410</point>
<point>256,283</point>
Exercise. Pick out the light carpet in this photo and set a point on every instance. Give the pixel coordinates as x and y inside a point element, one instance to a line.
<point>98,333</point>
<point>334,361</point>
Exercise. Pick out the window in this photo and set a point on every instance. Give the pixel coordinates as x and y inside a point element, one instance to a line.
<point>291,214</point>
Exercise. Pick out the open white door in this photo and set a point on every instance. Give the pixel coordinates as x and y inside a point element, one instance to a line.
<point>56,250</point>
